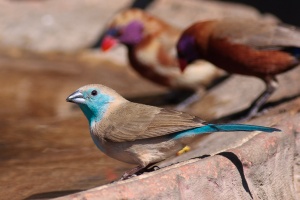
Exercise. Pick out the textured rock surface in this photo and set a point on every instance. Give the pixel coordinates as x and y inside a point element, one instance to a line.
<point>297,159</point>
<point>54,25</point>
<point>72,25</point>
<point>225,98</point>
<point>259,166</point>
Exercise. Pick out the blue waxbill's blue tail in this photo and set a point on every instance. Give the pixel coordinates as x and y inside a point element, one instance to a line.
<point>210,128</point>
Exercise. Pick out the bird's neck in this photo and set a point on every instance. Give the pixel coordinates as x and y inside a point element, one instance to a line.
<point>94,114</point>
<point>89,114</point>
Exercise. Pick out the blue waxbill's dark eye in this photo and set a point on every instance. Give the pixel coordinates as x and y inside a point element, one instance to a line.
<point>94,92</point>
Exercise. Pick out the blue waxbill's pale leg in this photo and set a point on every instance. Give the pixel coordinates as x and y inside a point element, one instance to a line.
<point>141,134</point>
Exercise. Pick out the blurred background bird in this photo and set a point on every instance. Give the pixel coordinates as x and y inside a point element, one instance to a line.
<point>151,52</point>
<point>243,46</point>
<point>141,134</point>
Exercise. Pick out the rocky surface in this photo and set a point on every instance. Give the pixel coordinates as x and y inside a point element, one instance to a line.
<point>73,25</point>
<point>225,98</point>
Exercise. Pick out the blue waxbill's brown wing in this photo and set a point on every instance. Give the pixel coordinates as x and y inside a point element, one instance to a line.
<point>133,121</point>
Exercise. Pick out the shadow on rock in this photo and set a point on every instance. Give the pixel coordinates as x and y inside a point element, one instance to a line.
<point>238,116</point>
<point>239,166</point>
<point>54,194</point>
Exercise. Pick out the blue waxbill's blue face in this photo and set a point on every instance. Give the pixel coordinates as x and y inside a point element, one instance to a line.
<point>92,102</point>
<point>187,51</point>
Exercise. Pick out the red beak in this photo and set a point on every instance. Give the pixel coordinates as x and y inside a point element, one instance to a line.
<point>108,42</point>
<point>182,64</point>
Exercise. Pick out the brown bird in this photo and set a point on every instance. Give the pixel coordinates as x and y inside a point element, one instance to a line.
<point>151,45</point>
<point>243,46</point>
<point>141,134</point>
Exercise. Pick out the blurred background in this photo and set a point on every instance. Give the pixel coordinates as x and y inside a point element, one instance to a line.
<point>48,49</point>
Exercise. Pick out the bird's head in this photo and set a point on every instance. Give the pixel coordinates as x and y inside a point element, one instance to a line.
<point>95,100</point>
<point>127,28</point>
<point>187,51</point>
